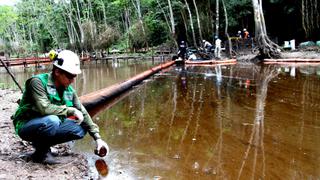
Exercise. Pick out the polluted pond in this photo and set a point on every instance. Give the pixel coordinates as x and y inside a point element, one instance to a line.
<point>221,121</point>
<point>234,121</point>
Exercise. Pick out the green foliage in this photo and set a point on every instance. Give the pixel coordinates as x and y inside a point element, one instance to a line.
<point>7,27</point>
<point>7,19</point>
<point>158,31</point>
<point>237,11</point>
<point>40,25</point>
<point>137,37</point>
<point>107,37</point>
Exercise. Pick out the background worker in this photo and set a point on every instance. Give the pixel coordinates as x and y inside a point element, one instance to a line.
<point>193,57</point>
<point>239,34</point>
<point>217,49</point>
<point>246,37</point>
<point>182,50</point>
<point>50,112</point>
<point>245,33</point>
<point>207,46</point>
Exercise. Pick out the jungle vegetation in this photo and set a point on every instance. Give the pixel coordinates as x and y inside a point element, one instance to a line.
<point>95,25</point>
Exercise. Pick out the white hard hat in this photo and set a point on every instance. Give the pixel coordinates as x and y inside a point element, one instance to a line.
<point>68,61</point>
<point>244,29</point>
<point>203,40</point>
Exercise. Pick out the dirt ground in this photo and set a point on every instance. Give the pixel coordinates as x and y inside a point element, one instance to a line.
<point>12,165</point>
<point>306,53</point>
<point>74,166</point>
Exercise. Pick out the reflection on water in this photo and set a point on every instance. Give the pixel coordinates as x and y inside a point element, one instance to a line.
<point>239,122</point>
<point>214,122</point>
<point>102,167</point>
<point>94,76</point>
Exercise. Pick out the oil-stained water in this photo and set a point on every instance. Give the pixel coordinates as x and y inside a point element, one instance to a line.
<point>217,122</point>
<point>95,75</point>
<point>214,122</point>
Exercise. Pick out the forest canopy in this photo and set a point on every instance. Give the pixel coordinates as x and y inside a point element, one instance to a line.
<point>88,25</point>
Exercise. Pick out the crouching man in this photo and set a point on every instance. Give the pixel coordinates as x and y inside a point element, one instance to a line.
<point>50,112</point>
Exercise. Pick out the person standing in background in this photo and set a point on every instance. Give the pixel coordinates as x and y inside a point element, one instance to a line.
<point>182,50</point>
<point>217,49</point>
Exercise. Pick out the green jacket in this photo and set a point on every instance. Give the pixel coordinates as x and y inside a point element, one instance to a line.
<point>41,98</point>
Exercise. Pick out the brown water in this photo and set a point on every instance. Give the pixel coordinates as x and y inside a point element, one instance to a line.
<point>220,122</point>
<point>95,75</point>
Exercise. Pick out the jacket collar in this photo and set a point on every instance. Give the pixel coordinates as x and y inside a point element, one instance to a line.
<point>50,79</point>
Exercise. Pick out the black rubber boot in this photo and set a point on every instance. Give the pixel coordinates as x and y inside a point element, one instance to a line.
<point>43,155</point>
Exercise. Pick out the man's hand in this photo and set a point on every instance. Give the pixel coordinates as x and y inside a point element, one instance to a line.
<point>102,148</point>
<point>79,116</point>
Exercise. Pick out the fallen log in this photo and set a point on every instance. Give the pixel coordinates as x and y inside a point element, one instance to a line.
<point>93,99</point>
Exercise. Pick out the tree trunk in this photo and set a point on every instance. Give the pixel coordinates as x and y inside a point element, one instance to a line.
<point>92,27</point>
<point>127,23</point>
<point>267,48</point>
<point>217,18</point>
<point>191,25</point>
<point>226,29</point>
<point>137,5</point>
<point>165,16</point>
<point>198,19</point>
<point>72,32</point>
<point>171,19</point>
<point>173,29</point>
<point>184,18</point>
<point>310,17</point>
<point>104,13</point>
<point>79,22</point>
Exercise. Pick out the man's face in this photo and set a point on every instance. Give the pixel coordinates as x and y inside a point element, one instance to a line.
<point>63,78</point>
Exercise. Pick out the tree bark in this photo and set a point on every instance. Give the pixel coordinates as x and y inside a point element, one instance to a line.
<point>198,19</point>
<point>137,5</point>
<point>266,48</point>
<point>217,18</point>
<point>165,16</point>
<point>226,28</point>
<point>310,17</point>
<point>171,19</point>
<point>79,22</point>
<point>191,25</point>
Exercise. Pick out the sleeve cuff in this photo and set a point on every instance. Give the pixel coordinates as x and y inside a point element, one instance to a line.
<point>70,111</point>
<point>96,136</point>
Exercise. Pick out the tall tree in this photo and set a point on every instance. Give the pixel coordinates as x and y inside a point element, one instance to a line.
<point>217,19</point>
<point>310,17</point>
<point>191,24</point>
<point>226,28</point>
<point>137,5</point>
<point>198,19</point>
<point>173,29</point>
<point>164,15</point>
<point>267,48</point>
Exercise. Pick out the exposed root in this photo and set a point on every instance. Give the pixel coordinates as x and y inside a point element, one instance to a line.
<point>267,48</point>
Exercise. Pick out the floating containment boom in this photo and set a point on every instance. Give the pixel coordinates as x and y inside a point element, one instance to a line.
<point>93,99</point>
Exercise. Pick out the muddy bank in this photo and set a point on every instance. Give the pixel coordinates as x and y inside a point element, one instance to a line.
<point>299,54</point>
<point>13,166</point>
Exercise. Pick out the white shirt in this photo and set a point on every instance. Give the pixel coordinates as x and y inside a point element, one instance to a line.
<point>218,43</point>
<point>192,57</point>
<point>207,44</point>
